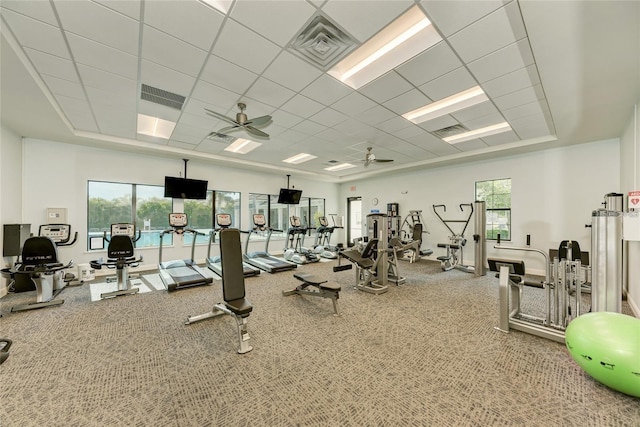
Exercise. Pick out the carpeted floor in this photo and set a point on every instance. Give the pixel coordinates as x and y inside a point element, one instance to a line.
<point>424,354</point>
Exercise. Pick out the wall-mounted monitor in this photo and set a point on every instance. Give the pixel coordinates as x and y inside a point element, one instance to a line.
<point>289,196</point>
<point>185,188</point>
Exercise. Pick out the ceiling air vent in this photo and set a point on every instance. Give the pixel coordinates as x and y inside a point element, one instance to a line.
<point>220,137</point>
<point>449,131</point>
<point>322,43</point>
<point>162,97</point>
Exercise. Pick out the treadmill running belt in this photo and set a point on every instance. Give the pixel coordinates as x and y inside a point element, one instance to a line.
<point>184,275</point>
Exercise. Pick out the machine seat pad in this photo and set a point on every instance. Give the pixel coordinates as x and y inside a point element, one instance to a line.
<point>355,257</point>
<point>309,278</point>
<point>330,286</point>
<point>242,307</point>
<point>443,258</point>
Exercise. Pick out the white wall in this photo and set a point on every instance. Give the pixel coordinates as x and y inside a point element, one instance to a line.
<point>553,195</point>
<point>630,181</point>
<point>56,175</point>
<point>10,188</point>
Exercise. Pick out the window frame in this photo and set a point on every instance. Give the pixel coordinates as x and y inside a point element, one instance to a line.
<point>494,212</point>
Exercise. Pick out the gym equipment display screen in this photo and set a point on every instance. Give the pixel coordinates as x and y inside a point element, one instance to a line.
<point>289,196</point>
<point>185,188</point>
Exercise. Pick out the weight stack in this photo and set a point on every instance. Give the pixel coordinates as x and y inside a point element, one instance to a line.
<point>606,261</point>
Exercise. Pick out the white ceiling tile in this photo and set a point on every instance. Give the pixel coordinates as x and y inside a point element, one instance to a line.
<point>209,146</point>
<point>506,60</point>
<point>375,115</point>
<point>385,87</point>
<point>363,24</point>
<point>40,11</point>
<point>130,8</point>
<point>410,131</point>
<point>430,64</point>
<point>328,117</point>
<point>518,79</point>
<point>196,108</point>
<point>190,21</point>
<point>284,119</point>
<point>476,111</point>
<point>394,124</point>
<point>157,110</point>
<point>501,138</point>
<point>64,87</point>
<point>94,77</point>
<point>225,74</point>
<point>172,53</point>
<point>100,56</point>
<point>531,126</point>
<point>291,72</point>
<point>308,127</point>
<point>530,109</point>
<point>277,20</point>
<point>326,90</point>
<point>53,65</point>
<point>78,112</point>
<point>116,121</point>
<point>266,91</point>
<point>520,97</point>
<point>408,101</point>
<point>185,145</point>
<point>449,84</point>
<point>334,136</point>
<point>114,99</point>
<point>164,78</point>
<point>438,147</point>
<point>451,16</point>
<point>353,104</point>
<point>36,34</point>
<point>105,26</point>
<point>245,48</point>
<point>215,97</point>
<point>483,121</point>
<point>472,145</point>
<point>302,105</point>
<point>494,31</point>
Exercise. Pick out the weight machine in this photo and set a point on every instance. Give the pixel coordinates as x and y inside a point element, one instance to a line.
<point>412,237</point>
<point>454,257</point>
<point>562,287</point>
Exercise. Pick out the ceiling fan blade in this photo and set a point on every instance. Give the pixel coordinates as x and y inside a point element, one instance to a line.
<point>228,129</point>
<point>259,121</point>
<point>383,160</point>
<point>256,132</point>
<point>220,116</point>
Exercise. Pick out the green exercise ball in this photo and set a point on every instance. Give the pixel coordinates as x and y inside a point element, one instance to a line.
<point>607,346</point>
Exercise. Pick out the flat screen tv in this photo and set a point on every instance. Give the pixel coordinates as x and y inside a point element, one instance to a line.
<point>185,188</point>
<point>289,196</point>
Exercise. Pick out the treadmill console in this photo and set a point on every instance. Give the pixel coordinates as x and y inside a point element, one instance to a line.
<point>123,229</point>
<point>59,233</point>
<point>178,220</point>
<point>223,220</point>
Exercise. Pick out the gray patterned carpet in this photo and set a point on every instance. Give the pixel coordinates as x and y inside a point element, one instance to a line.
<point>423,354</point>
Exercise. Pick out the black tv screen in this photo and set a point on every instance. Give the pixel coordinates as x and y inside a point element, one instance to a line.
<point>289,196</point>
<point>185,188</point>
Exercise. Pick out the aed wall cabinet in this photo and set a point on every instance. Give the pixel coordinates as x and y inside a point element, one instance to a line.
<point>13,238</point>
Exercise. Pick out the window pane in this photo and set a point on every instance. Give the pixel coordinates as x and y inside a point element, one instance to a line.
<point>278,216</point>
<point>229,202</point>
<point>109,203</point>
<point>497,197</point>
<point>199,217</point>
<point>317,210</point>
<point>152,213</point>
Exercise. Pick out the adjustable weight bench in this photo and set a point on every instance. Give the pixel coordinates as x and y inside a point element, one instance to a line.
<point>324,289</point>
<point>235,304</point>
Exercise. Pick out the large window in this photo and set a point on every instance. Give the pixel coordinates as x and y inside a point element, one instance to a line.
<point>309,210</point>
<point>497,197</point>
<point>199,217</point>
<point>228,202</point>
<point>112,202</point>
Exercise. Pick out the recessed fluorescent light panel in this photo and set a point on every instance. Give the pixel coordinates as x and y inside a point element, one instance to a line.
<point>300,158</point>
<point>243,146</point>
<point>153,126</point>
<point>219,5</point>
<point>445,106</point>
<point>400,41</point>
<point>478,133</point>
<point>340,167</point>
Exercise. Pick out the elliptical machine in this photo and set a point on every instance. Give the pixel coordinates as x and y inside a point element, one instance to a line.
<point>295,250</point>
<point>322,245</point>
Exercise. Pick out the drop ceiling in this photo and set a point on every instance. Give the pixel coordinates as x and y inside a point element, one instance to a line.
<point>557,72</point>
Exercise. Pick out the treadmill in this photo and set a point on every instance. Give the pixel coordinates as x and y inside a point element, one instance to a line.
<point>215,263</point>
<point>263,260</point>
<point>179,274</point>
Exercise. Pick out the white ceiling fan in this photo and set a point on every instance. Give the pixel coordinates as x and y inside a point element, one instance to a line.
<point>241,122</point>
<point>371,158</point>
